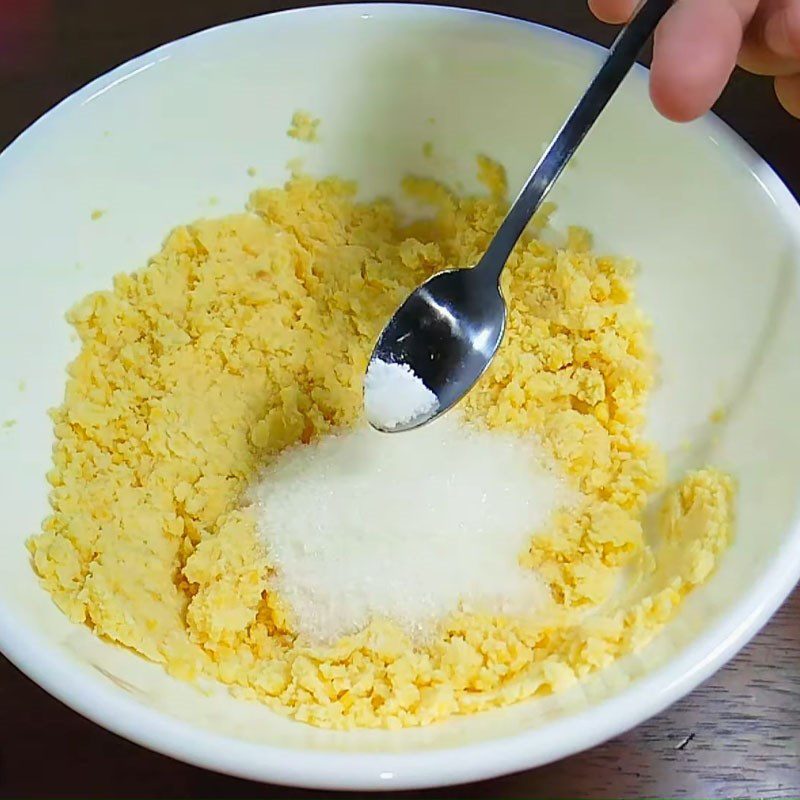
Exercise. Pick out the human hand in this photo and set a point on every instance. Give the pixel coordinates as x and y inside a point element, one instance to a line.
<point>699,42</point>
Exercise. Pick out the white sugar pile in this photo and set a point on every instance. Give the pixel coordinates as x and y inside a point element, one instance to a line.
<point>409,527</point>
<point>394,395</point>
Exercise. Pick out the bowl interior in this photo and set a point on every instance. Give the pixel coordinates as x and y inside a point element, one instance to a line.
<point>170,137</point>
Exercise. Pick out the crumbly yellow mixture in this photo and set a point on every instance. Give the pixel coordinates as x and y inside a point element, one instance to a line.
<point>304,127</point>
<point>250,333</point>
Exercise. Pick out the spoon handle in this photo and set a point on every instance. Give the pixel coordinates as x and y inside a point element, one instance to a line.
<point>618,63</point>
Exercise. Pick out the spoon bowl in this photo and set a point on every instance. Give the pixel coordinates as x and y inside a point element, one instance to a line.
<point>447,329</point>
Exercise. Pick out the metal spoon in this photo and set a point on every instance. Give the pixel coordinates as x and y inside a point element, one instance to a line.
<point>448,330</point>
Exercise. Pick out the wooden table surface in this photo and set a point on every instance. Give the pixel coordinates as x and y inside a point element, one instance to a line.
<point>737,735</point>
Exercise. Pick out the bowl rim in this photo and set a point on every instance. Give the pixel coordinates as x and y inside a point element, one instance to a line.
<point>646,697</point>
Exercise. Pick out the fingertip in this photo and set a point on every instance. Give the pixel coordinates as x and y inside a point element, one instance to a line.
<point>787,88</point>
<point>615,12</point>
<point>782,31</point>
<point>675,107</point>
<point>694,55</point>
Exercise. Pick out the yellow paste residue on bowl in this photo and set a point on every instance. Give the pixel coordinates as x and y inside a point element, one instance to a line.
<point>250,333</point>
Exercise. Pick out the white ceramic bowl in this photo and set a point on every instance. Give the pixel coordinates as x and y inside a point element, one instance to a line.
<point>715,229</point>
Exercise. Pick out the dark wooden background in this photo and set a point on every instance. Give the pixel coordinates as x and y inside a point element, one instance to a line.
<point>736,736</point>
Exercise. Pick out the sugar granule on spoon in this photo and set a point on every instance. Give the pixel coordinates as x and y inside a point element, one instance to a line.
<point>394,395</point>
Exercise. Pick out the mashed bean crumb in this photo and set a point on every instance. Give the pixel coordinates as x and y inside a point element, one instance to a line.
<point>250,333</point>
<point>304,127</point>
